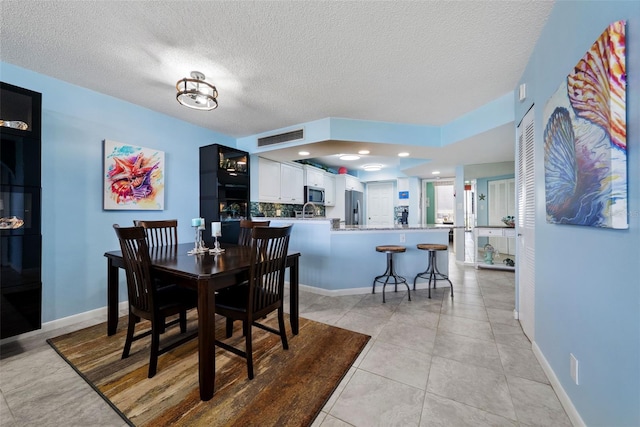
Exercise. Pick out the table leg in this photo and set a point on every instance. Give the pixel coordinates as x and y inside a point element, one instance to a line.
<point>112,297</point>
<point>206,339</point>
<point>294,296</point>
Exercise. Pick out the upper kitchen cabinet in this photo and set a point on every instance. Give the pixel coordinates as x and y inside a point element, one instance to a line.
<point>269,181</point>
<point>280,182</point>
<point>350,182</point>
<point>224,187</point>
<point>292,184</point>
<point>313,177</point>
<point>329,185</point>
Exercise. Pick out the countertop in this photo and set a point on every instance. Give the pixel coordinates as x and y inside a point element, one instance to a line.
<point>395,227</point>
<point>336,225</point>
<point>290,218</point>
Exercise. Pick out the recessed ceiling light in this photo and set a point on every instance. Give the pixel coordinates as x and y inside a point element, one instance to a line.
<point>303,153</point>
<point>374,167</point>
<point>403,154</point>
<point>363,152</point>
<point>435,173</point>
<point>349,157</point>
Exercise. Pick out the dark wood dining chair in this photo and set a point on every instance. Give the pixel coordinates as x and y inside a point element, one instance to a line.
<point>246,227</point>
<point>159,232</point>
<point>264,292</point>
<point>244,239</point>
<point>148,301</point>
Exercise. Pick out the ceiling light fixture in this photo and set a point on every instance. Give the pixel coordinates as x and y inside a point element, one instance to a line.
<point>403,154</point>
<point>303,153</point>
<point>195,93</point>
<point>374,167</point>
<point>363,152</point>
<point>349,157</point>
<point>435,173</point>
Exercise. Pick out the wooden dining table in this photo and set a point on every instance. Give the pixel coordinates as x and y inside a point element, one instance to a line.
<point>207,274</point>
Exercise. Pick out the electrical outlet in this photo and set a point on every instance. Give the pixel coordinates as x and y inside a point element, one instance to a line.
<point>574,368</point>
<point>403,238</point>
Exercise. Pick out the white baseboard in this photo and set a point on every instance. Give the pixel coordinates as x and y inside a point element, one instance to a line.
<point>354,291</point>
<point>566,402</point>
<point>98,315</point>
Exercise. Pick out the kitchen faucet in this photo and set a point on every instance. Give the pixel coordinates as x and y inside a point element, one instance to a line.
<point>304,207</point>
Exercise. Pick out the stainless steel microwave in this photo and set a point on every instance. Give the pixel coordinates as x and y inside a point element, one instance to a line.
<point>314,194</point>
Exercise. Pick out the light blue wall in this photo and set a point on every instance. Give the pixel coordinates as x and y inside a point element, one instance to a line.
<point>588,279</point>
<point>75,230</point>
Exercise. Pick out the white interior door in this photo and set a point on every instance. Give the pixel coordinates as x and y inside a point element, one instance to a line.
<point>380,203</point>
<point>525,258</point>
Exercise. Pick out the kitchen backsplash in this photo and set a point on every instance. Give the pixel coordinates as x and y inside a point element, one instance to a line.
<point>274,210</point>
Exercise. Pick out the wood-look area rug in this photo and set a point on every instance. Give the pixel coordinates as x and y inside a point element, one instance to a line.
<point>289,389</point>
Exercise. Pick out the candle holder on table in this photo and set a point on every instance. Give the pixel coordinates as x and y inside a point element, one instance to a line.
<point>199,247</point>
<point>216,231</point>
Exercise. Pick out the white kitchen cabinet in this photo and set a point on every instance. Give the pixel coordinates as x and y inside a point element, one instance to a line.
<point>329,185</point>
<point>313,177</point>
<point>291,184</point>
<point>501,233</point>
<point>280,182</point>
<point>269,181</point>
<point>352,183</point>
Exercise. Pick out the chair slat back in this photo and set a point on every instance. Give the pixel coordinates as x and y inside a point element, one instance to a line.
<point>159,232</point>
<point>246,227</point>
<point>137,262</point>
<point>268,261</point>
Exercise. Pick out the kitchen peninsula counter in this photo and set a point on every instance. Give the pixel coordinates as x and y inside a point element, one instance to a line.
<point>335,224</point>
<point>342,260</point>
<point>395,227</point>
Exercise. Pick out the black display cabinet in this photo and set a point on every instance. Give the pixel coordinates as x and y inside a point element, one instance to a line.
<point>20,210</point>
<point>224,190</point>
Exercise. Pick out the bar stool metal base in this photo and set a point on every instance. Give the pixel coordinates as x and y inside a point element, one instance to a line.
<point>390,271</point>
<point>432,272</point>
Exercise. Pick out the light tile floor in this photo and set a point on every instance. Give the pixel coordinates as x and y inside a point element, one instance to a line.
<point>430,362</point>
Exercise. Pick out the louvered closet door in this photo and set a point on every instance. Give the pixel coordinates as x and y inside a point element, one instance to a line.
<point>525,259</point>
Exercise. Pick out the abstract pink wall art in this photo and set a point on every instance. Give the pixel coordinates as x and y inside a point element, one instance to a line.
<point>133,177</point>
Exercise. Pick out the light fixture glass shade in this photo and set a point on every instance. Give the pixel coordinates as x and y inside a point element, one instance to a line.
<point>349,157</point>
<point>373,167</point>
<point>195,93</point>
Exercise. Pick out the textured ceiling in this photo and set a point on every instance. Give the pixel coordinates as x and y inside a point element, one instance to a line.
<point>277,64</point>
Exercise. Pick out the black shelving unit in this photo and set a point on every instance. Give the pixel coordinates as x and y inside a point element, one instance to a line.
<point>20,210</point>
<point>224,189</point>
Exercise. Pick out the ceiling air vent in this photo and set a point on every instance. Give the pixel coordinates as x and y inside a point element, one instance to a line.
<point>294,135</point>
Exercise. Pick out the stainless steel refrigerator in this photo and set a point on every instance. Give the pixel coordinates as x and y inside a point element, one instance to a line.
<point>354,213</point>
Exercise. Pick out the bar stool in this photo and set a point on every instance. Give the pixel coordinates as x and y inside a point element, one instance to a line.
<point>390,272</point>
<point>432,270</point>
